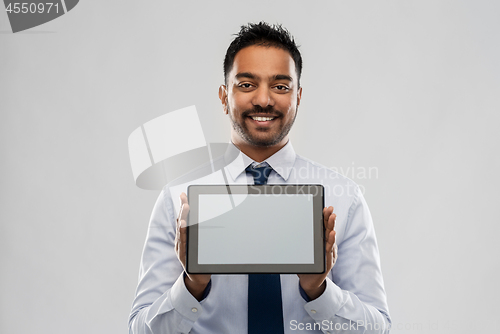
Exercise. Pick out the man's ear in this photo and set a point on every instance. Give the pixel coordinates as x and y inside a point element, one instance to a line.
<point>299,95</point>
<point>223,98</point>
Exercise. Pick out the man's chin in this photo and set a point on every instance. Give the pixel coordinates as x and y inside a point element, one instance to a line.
<point>259,137</point>
<point>262,142</point>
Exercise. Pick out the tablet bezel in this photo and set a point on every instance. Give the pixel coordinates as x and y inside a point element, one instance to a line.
<point>317,190</point>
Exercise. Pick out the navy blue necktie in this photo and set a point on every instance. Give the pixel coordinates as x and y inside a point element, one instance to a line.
<point>265,307</point>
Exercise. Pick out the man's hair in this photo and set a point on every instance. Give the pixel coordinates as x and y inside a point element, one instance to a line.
<point>263,34</point>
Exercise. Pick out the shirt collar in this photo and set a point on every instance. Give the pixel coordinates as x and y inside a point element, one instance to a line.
<point>281,161</point>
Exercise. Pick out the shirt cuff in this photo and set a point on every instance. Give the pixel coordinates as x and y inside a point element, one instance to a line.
<point>184,302</point>
<point>326,305</point>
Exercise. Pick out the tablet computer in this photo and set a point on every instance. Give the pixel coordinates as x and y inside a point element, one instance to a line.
<point>241,229</point>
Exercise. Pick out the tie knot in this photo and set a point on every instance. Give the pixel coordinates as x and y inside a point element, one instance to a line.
<point>260,174</point>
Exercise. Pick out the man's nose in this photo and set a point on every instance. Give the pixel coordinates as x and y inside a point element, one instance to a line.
<point>263,97</point>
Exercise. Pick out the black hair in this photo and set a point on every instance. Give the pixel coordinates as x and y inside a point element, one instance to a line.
<point>263,34</point>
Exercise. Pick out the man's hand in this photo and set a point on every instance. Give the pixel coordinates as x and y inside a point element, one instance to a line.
<point>195,284</point>
<point>314,284</point>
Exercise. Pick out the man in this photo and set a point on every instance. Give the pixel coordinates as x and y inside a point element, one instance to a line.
<point>261,96</point>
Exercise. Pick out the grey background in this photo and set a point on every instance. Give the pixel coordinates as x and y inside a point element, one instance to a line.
<point>408,87</point>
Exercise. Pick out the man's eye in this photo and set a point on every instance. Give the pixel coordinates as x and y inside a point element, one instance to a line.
<point>281,87</point>
<point>245,85</point>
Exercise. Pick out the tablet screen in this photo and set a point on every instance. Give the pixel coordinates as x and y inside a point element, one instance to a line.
<point>280,229</point>
<point>252,229</point>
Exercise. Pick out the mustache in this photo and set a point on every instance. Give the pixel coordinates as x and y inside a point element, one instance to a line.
<point>259,110</point>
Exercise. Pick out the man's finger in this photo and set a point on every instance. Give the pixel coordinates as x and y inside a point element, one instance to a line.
<point>330,241</point>
<point>330,225</point>
<point>182,243</point>
<point>326,215</point>
<point>184,210</point>
<point>177,233</point>
<point>331,250</point>
<point>331,222</point>
<point>180,233</point>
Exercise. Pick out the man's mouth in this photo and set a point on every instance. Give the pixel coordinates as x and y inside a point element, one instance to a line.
<point>262,119</point>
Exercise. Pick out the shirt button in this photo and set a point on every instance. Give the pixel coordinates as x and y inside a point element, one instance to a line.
<point>313,311</point>
<point>194,310</point>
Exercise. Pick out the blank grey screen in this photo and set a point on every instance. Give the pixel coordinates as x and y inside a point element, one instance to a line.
<point>255,229</point>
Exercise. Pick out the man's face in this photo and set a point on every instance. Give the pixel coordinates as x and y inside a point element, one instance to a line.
<point>262,96</point>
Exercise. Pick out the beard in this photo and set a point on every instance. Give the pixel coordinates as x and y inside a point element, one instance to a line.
<point>262,141</point>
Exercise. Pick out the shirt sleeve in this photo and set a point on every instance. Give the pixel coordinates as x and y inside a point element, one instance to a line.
<point>162,303</point>
<point>354,299</point>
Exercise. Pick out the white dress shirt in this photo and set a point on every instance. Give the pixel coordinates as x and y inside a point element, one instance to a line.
<point>354,300</point>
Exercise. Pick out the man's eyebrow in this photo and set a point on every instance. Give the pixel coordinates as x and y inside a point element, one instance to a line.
<point>247,75</point>
<point>282,77</point>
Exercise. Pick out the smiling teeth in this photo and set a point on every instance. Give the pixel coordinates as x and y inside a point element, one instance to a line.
<point>262,119</point>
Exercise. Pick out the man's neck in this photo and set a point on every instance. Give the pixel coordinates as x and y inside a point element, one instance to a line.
<point>259,153</point>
